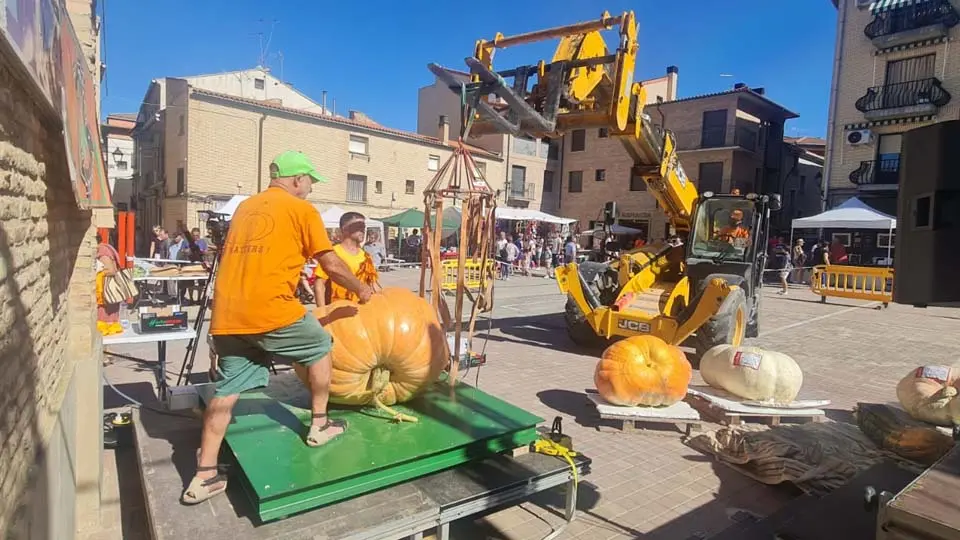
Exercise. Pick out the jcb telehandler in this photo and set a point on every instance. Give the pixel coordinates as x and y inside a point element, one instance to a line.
<point>705,282</point>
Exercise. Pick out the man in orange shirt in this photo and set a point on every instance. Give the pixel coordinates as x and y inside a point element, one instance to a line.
<point>256,313</point>
<point>353,231</point>
<point>734,232</point>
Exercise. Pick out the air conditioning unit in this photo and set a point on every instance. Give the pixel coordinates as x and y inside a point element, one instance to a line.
<point>860,136</point>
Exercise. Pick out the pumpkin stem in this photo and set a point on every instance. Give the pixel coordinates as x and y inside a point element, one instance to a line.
<point>380,380</point>
<point>397,415</point>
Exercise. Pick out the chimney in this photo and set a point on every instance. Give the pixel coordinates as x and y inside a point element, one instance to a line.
<point>760,91</point>
<point>323,102</point>
<point>739,85</point>
<point>444,129</point>
<point>673,74</point>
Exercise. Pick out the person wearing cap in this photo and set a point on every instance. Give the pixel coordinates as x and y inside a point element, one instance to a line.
<point>734,232</point>
<point>256,314</point>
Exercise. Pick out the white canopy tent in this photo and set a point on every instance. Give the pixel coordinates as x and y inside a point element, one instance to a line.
<point>526,214</point>
<point>852,214</point>
<point>331,216</point>
<point>230,206</point>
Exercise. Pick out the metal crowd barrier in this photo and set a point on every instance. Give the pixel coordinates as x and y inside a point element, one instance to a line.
<point>855,282</point>
<point>471,273</point>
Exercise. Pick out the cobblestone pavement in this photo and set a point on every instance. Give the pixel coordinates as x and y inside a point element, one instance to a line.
<point>650,485</point>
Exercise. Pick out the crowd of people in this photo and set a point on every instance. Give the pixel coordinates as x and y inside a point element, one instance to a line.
<point>794,264</point>
<point>524,252</point>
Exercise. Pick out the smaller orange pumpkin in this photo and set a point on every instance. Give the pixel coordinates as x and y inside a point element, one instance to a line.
<point>643,370</point>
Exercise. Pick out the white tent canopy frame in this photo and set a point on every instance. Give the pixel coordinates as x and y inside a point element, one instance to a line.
<point>852,214</point>
<point>330,216</point>
<point>526,214</point>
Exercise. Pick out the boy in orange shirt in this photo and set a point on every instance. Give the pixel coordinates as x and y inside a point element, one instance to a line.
<point>350,249</point>
<point>256,313</point>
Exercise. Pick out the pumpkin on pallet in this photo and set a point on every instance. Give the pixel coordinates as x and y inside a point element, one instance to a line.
<point>752,373</point>
<point>384,352</point>
<point>929,394</point>
<point>642,371</point>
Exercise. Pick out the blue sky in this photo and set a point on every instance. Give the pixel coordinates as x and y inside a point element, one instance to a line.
<point>372,56</point>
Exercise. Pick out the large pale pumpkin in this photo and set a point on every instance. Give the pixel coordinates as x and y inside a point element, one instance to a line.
<point>642,370</point>
<point>752,373</point>
<point>384,351</point>
<point>929,394</point>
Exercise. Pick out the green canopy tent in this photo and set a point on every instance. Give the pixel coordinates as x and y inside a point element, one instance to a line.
<point>413,219</point>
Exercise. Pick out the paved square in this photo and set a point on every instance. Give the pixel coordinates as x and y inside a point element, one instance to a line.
<point>650,484</point>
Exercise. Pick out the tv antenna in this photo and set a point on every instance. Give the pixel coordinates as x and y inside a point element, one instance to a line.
<point>265,47</point>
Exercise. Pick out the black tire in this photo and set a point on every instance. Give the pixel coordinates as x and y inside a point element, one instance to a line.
<point>579,330</point>
<point>721,329</point>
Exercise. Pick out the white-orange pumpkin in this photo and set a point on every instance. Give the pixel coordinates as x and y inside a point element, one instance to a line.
<point>929,394</point>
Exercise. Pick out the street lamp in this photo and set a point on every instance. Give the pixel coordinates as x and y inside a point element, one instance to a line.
<point>117,156</point>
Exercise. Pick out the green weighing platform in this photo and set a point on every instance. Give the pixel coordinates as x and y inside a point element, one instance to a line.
<point>283,476</point>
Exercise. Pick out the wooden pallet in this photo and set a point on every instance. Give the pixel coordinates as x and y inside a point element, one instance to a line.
<point>730,410</point>
<point>638,418</point>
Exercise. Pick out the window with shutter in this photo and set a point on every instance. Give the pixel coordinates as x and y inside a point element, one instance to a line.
<point>359,145</point>
<point>356,188</point>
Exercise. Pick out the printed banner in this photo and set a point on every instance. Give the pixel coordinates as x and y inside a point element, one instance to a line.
<point>41,34</point>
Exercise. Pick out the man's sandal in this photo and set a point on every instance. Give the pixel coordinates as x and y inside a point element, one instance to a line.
<point>316,436</point>
<point>199,489</point>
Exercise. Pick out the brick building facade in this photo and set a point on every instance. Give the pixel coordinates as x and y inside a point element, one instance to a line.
<point>894,70</point>
<point>50,353</point>
<point>210,146</point>
<point>731,139</point>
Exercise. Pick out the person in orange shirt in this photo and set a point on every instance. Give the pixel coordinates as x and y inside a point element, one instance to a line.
<point>734,232</point>
<point>256,313</point>
<point>353,230</point>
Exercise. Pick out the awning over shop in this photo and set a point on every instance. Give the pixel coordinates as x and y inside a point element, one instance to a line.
<point>887,5</point>
<point>616,229</point>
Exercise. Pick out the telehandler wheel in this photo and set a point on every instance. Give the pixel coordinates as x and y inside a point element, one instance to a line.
<point>579,329</point>
<point>727,327</point>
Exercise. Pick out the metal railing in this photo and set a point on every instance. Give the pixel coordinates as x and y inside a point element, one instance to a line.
<point>911,17</point>
<point>905,94</point>
<point>877,172</point>
<point>524,191</point>
<point>745,137</point>
<point>854,282</point>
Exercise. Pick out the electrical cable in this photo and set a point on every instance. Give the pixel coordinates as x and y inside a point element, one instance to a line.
<point>137,405</point>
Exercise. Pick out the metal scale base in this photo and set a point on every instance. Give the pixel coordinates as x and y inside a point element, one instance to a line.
<point>283,476</point>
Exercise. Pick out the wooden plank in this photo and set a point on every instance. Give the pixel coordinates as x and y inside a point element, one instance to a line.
<point>932,502</point>
<point>637,418</point>
<point>730,404</point>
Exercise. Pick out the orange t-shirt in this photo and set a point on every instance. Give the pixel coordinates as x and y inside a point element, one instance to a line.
<point>272,234</point>
<point>730,233</point>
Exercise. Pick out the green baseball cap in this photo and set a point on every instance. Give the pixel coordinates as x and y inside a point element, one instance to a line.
<point>292,163</point>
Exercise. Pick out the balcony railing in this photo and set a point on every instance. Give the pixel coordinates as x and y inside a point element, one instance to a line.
<point>919,20</point>
<point>744,137</point>
<point>879,172</point>
<point>522,191</point>
<point>922,96</point>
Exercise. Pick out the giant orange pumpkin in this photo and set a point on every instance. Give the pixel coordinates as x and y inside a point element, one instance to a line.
<point>385,351</point>
<point>642,370</point>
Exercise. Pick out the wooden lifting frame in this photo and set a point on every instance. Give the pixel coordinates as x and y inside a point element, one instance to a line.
<point>458,180</point>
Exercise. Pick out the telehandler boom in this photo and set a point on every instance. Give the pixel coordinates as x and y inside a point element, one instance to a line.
<point>705,283</point>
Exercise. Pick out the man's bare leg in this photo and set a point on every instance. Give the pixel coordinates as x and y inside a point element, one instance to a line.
<point>319,375</point>
<point>216,418</point>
